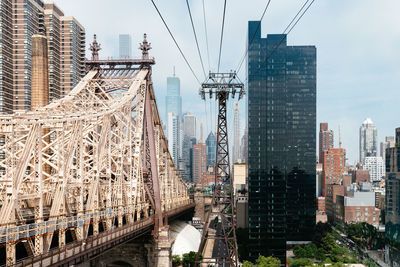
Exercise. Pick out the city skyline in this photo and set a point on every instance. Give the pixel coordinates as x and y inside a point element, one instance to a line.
<point>351,77</point>
<point>141,143</point>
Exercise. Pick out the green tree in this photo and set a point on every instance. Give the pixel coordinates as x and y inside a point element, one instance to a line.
<point>328,243</point>
<point>302,262</point>
<point>299,252</point>
<point>268,262</point>
<point>247,264</point>
<point>310,250</point>
<point>176,260</point>
<point>188,259</point>
<point>320,254</point>
<point>370,263</point>
<point>321,230</point>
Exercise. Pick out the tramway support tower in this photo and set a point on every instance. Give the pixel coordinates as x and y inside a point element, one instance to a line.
<point>219,229</point>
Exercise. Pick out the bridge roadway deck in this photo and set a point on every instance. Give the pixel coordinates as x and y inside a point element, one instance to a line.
<point>80,251</point>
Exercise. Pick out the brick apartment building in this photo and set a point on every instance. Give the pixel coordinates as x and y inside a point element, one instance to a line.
<point>20,19</point>
<point>333,166</point>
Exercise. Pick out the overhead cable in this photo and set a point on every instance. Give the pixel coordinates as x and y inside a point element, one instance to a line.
<point>195,37</point>
<point>222,35</point>
<point>252,38</point>
<point>176,43</point>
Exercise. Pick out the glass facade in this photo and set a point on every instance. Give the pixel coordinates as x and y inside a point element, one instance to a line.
<point>392,212</point>
<point>125,46</point>
<point>211,143</point>
<point>281,143</point>
<point>173,99</point>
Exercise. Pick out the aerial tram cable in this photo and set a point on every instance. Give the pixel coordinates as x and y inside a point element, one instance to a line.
<point>254,35</point>
<point>195,37</point>
<point>176,43</point>
<point>290,29</point>
<point>222,36</point>
<point>206,34</point>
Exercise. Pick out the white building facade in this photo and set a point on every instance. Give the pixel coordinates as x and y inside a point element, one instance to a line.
<point>236,132</point>
<point>173,136</point>
<point>376,168</point>
<point>368,140</point>
<point>189,125</point>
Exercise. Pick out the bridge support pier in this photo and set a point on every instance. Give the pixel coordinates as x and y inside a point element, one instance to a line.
<point>160,253</point>
<point>11,254</point>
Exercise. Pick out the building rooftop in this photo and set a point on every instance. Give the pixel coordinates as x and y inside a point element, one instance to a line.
<point>368,121</point>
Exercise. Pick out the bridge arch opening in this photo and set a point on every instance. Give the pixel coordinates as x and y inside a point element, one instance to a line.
<point>119,263</point>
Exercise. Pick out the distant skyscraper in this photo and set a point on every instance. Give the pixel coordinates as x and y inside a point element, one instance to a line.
<point>211,143</point>
<point>187,155</point>
<point>201,132</point>
<point>368,140</point>
<point>388,143</point>
<point>236,132</point>
<point>173,136</point>
<point>392,209</point>
<point>125,46</point>
<point>174,106</point>
<point>199,161</point>
<point>325,140</point>
<point>244,145</point>
<point>173,98</point>
<point>376,168</point>
<point>281,143</point>
<point>66,45</point>
<point>188,134</point>
<point>189,125</point>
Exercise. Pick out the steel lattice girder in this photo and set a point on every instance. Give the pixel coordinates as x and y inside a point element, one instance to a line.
<point>79,160</point>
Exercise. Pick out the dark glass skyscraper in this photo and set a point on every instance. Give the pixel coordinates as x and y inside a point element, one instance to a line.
<point>393,191</point>
<point>281,143</point>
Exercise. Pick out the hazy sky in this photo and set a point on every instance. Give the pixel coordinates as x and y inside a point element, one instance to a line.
<point>358,63</point>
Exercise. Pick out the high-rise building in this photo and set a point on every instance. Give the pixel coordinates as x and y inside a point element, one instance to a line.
<point>368,140</point>
<point>125,46</point>
<point>388,143</point>
<point>73,53</point>
<point>199,161</point>
<point>376,168</point>
<point>52,21</point>
<point>243,145</point>
<point>189,125</point>
<point>333,167</point>
<point>325,140</point>
<point>211,143</point>
<point>392,210</point>
<point>188,134</point>
<point>66,49</point>
<point>236,132</point>
<point>7,54</point>
<point>173,133</point>
<point>173,99</point>
<point>281,143</point>
<point>174,106</point>
<point>28,20</point>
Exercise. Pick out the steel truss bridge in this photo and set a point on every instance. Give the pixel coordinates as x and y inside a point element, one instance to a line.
<point>94,164</point>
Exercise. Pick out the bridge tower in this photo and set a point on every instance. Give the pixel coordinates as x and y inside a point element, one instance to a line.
<point>222,214</point>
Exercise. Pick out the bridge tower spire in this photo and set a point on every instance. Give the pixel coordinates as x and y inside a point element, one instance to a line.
<point>222,85</point>
<point>145,46</point>
<point>95,48</point>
